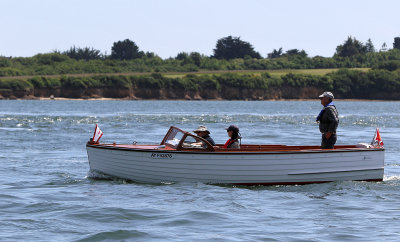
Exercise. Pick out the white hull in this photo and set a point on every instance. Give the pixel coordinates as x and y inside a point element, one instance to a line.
<point>248,168</point>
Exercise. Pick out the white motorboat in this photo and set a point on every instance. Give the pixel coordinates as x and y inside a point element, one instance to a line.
<point>184,157</point>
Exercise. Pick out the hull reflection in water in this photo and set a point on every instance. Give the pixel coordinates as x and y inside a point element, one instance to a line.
<point>183,157</point>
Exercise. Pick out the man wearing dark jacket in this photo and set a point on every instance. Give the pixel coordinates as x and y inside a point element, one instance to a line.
<point>203,132</point>
<point>328,120</point>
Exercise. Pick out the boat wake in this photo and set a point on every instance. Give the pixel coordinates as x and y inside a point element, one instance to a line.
<point>394,178</point>
<point>98,175</point>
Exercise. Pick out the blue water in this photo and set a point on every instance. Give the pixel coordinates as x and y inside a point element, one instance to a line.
<point>48,194</point>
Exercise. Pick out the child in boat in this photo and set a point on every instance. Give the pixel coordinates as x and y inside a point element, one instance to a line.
<point>233,133</point>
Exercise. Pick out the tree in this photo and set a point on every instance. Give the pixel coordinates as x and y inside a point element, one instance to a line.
<point>296,52</point>
<point>196,58</point>
<point>384,47</point>
<point>125,50</point>
<point>350,47</point>
<point>150,54</point>
<point>182,56</point>
<point>396,44</point>
<point>369,46</point>
<point>275,53</point>
<point>233,47</point>
<point>83,53</point>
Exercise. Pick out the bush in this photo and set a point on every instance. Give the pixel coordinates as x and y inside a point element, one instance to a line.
<point>358,84</point>
<point>342,82</point>
<point>73,82</point>
<point>205,82</point>
<point>48,59</point>
<point>16,84</point>
<point>383,80</point>
<point>121,82</point>
<point>391,65</point>
<point>37,82</point>
<point>229,79</point>
<point>146,82</point>
<point>4,62</point>
<point>8,71</point>
<point>179,84</point>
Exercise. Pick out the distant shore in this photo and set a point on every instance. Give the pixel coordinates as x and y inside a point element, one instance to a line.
<point>128,99</point>
<point>346,84</point>
<point>226,93</point>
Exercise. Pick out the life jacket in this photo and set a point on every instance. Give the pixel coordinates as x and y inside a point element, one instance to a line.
<point>229,143</point>
<point>319,117</point>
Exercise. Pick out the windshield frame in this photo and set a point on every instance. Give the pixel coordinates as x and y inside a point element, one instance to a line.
<point>178,144</point>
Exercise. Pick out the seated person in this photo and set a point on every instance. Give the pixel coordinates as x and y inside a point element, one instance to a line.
<point>233,133</point>
<point>203,132</point>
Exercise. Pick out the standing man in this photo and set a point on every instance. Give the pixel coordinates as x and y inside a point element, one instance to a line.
<point>328,120</point>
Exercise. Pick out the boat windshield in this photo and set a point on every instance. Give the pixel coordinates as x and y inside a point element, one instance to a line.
<point>194,143</point>
<point>174,137</point>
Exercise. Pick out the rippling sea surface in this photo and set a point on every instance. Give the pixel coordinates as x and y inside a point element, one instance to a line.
<point>48,194</point>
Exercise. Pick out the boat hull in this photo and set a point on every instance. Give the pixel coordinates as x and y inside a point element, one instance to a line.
<point>245,168</point>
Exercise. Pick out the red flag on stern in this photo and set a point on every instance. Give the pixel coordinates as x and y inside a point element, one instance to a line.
<point>377,140</point>
<point>97,134</point>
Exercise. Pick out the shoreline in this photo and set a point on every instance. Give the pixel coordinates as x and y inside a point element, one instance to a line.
<point>244,100</point>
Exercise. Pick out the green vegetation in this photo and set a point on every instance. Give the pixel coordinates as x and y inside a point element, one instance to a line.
<point>345,83</point>
<point>55,63</point>
<point>356,70</point>
<point>230,54</point>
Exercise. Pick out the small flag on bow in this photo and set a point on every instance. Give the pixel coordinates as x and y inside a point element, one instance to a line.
<point>97,134</point>
<point>377,140</point>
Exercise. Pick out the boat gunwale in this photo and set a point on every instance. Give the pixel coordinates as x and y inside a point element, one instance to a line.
<point>233,151</point>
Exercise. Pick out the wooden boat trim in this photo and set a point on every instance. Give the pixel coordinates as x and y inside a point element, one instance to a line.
<point>228,151</point>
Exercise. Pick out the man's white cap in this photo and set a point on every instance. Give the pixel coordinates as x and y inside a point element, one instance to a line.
<point>201,128</point>
<point>326,94</point>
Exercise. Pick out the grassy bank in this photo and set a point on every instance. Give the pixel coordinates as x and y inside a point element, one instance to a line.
<point>234,85</point>
<point>278,73</point>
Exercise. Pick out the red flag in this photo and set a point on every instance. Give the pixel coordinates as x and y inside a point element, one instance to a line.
<point>97,134</point>
<point>377,140</point>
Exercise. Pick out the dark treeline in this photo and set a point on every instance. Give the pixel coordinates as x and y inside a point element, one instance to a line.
<point>230,53</point>
<point>381,84</point>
